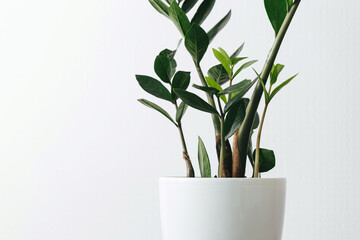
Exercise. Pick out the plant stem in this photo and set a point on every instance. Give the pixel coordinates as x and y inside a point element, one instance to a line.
<point>189,167</point>
<point>221,172</point>
<point>230,80</point>
<point>245,129</point>
<point>257,153</point>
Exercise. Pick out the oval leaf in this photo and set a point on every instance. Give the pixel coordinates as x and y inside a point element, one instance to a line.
<point>276,11</point>
<point>215,85</point>
<point>275,71</point>
<point>223,60</point>
<point>218,74</point>
<point>203,11</point>
<point>234,118</point>
<point>179,18</point>
<point>236,87</point>
<point>154,87</point>
<point>219,26</point>
<point>181,111</point>
<point>157,108</point>
<point>196,42</point>
<point>181,80</point>
<point>163,68</point>
<point>203,157</point>
<point>194,101</point>
<point>266,159</point>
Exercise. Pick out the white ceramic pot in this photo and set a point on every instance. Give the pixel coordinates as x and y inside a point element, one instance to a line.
<point>222,208</point>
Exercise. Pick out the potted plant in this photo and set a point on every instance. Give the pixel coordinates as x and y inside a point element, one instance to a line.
<point>228,206</point>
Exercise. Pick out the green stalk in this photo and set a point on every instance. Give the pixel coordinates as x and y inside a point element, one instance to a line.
<point>221,172</point>
<point>245,129</point>
<point>257,153</point>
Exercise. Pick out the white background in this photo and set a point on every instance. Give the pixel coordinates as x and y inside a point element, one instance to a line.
<point>80,157</point>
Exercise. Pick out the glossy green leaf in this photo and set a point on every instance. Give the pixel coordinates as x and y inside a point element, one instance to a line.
<point>245,65</point>
<point>154,87</point>
<point>196,42</point>
<point>203,157</point>
<point>238,51</point>
<point>278,88</point>
<point>194,101</point>
<point>235,117</point>
<point>157,108</point>
<point>275,71</point>
<point>163,68</point>
<point>266,159</point>
<point>203,12</point>
<point>209,90</point>
<point>276,11</point>
<point>238,97</point>
<point>213,84</point>
<point>170,54</point>
<point>181,80</point>
<point>236,87</point>
<point>236,60</point>
<point>179,18</point>
<point>219,26</point>
<point>256,121</point>
<point>188,5</point>
<point>161,7</point>
<point>223,60</point>
<point>218,74</point>
<point>224,53</point>
<point>181,111</point>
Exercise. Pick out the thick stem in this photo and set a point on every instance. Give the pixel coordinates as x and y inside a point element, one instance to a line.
<point>245,129</point>
<point>222,172</point>
<point>257,152</point>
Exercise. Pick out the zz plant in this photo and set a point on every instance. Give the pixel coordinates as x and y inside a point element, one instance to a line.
<point>233,115</point>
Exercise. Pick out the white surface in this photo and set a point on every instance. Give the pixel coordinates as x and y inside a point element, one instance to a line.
<point>215,208</point>
<point>80,158</point>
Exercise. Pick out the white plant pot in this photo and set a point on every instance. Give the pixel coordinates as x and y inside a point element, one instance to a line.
<point>222,208</point>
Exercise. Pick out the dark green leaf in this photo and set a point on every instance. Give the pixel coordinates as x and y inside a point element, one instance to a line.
<point>188,5</point>
<point>179,18</point>
<point>203,11</point>
<point>170,54</point>
<point>181,111</point>
<point>275,71</point>
<point>204,163</point>
<point>250,153</point>
<point>267,96</point>
<point>236,87</point>
<point>161,7</point>
<point>209,90</point>
<point>154,87</point>
<point>218,74</point>
<point>238,51</point>
<point>235,117</point>
<point>235,60</point>
<point>256,121</point>
<point>289,3</point>
<point>266,159</point>
<point>238,96</point>
<point>276,11</point>
<point>222,59</point>
<point>196,42</point>
<point>181,80</point>
<point>163,68</point>
<point>157,108</point>
<point>194,101</point>
<point>245,65</point>
<point>214,84</point>
<point>219,26</point>
<point>278,88</point>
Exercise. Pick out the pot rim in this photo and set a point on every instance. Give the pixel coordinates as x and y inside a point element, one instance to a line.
<point>221,180</point>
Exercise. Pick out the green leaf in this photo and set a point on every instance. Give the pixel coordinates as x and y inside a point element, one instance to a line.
<point>188,5</point>
<point>267,96</point>
<point>236,60</point>
<point>179,18</point>
<point>266,159</point>
<point>225,55</point>
<point>256,121</point>
<point>154,87</point>
<point>203,157</point>
<point>276,11</point>
<point>209,90</point>
<point>222,59</point>
<point>161,7</point>
<point>169,1</point>
<point>196,42</point>
<point>203,11</point>
<point>170,54</point>
<point>238,51</point>
<point>194,101</point>
<point>236,87</point>
<point>278,88</point>
<point>181,111</point>
<point>238,96</point>
<point>275,71</point>
<point>289,3</point>
<point>163,68</point>
<point>215,85</point>
<point>245,65</point>
<point>157,108</point>
<point>181,80</point>
<point>235,117</point>
<point>219,26</point>
<point>218,74</point>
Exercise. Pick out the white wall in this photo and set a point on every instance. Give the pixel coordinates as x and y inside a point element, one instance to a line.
<point>80,157</point>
